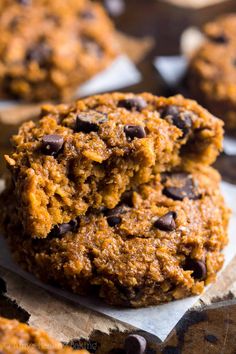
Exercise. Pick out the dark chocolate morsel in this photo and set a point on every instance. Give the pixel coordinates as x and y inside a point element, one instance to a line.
<point>25,2</point>
<point>116,211</point>
<point>114,220</point>
<point>127,199</point>
<point>186,190</point>
<point>220,38</point>
<point>198,267</point>
<point>52,144</point>
<point>134,131</point>
<point>92,47</point>
<point>166,222</point>
<point>181,120</point>
<point>136,104</point>
<point>87,14</point>
<point>61,229</point>
<point>135,344</point>
<point>88,122</point>
<point>39,53</point>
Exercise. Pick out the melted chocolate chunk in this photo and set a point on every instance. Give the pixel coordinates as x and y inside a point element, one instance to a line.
<point>39,53</point>
<point>181,120</point>
<point>220,38</point>
<point>61,229</point>
<point>134,131</point>
<point>187,188</point>
<point>88,122</point>
<point>198,268</point>
<point>52,144</point>
<point>133,104</point>
<point>166,222</point>
<point>135,344</point>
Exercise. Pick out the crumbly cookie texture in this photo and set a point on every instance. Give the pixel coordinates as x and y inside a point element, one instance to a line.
<point>88,154</point>
<point>16,338</point>
<point>163,242</point>
<point>212,71</point>
<point>48,48</point>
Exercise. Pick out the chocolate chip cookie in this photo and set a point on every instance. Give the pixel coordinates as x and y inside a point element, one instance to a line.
<point>212,71</point>
<point>162,242</point>
<point>19,338</point>
<point>88,154</point>
<point>49,48</point>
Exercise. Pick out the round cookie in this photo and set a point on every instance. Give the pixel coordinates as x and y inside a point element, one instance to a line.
<point>163,242</point>
<point>212,70</point>
<point>49,48</point>
<point>89,153</point>
<point>18,338</point>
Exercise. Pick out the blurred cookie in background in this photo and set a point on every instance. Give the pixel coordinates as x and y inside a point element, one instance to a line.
<point>47,49</point>
<point>212,71</point>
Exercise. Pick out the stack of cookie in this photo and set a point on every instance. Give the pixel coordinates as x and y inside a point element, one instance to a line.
<point>115,194</point>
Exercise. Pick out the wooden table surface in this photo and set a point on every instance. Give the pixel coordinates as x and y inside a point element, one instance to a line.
<point>210,327</point>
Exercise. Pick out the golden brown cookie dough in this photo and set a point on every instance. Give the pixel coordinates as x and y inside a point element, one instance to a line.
<point>89,153</point>
<point>162,243</point>
<point>18,338</point>
<point>48,48</point>
<point>212,71</point>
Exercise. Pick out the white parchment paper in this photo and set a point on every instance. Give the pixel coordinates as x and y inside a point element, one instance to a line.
<point>157,320</point>
<point>121,73</point>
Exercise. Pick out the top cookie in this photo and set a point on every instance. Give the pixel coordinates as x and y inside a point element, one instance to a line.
<point>91,152</point>
<point>18,338</point>
<point>48,48</point>
<point>212,72</point>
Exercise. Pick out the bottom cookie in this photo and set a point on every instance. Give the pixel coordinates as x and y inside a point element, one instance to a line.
<point>163,242</point>
<point>16,338</point>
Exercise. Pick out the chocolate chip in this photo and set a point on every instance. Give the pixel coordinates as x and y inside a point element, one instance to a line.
<point>136,104</point>
<point>135,344</point>
<point>198,267</point>
<point>186,190</point>
<point>25,2</point>
<point>221,38</point>
<point>61,229</point>
<point>114,220</point>
<point>39,53</point>
<point>87,15</point>
<point>211,338</point>
<point>127,198</point>
<point>91,46</point>
<point>116,211</point>
<point>166,222</point>
<point>181,120</point>
<point>88,122</point>
<point>134,131</point>
<point>52,144</point>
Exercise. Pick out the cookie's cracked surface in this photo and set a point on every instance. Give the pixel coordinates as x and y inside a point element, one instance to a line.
<point>89,154</point>
<point>48,48</point>
<point>164,244</point>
